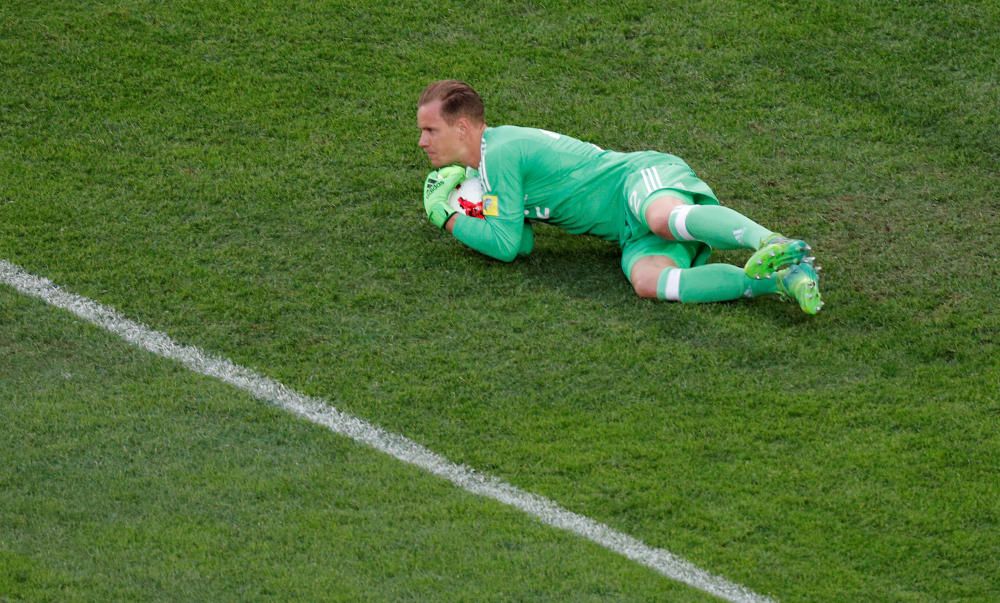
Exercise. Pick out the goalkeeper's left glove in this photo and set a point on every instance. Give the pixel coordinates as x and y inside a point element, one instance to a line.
<point>437,187</point>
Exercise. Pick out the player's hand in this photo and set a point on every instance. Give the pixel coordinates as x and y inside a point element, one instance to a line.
<point>437,187</point>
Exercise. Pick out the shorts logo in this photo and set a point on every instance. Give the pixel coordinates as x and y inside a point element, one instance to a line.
<point>633,203</point>
<point>491,205</point>
<point>651,178</point>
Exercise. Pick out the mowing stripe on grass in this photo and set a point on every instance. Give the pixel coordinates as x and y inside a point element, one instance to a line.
<point>322,413</point>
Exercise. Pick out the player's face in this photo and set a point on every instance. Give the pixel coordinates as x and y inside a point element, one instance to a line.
<point>443,142</point>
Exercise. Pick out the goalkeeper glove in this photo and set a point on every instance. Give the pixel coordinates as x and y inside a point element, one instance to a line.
<point>437,187</point>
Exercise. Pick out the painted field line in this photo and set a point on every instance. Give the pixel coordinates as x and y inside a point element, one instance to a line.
<point>322,413</point>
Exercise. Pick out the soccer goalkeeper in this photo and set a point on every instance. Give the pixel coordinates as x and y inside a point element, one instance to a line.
<point>666,220</point>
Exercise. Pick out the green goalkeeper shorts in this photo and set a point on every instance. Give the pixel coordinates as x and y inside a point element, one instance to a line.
<point>641,187</point>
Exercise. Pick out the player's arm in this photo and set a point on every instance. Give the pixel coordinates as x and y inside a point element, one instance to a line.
<point>527,236</point>
<point>503,233</point>
<point>497,239</point>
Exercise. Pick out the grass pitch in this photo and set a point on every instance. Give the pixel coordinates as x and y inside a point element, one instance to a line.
<point>245,177</point>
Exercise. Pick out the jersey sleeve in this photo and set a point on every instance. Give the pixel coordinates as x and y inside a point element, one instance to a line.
<point>502,232</point>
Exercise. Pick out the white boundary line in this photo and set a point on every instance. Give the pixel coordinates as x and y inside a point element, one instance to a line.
<point>402,448</point>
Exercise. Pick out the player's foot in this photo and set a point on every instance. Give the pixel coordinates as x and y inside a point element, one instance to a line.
<point>775,253</point>
<point>801,283</point>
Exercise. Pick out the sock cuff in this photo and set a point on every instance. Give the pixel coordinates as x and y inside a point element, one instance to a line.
<point>678,222</point>
<point>668,286</point>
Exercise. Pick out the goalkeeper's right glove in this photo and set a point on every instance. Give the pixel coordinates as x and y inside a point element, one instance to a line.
<point>437,187</point>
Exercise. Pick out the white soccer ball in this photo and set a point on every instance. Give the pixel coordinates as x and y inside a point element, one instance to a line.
<point>467,198</point>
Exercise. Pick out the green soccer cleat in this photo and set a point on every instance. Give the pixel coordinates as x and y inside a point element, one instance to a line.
<point>775,253</point>
<point>801,283</point>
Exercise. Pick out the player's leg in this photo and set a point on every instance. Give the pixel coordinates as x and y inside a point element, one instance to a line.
<point>673,215</point>
<point>775,252</point>
<point>664,259</point>
<point>660,269</point>
<point>659,277</point>
<point>801,283</point>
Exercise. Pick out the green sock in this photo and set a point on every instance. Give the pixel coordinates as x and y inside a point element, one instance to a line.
<point>720,227</point>
<point>711,283</point>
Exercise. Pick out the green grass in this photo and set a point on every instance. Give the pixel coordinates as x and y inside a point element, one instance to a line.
<point>245,177</point>
<point>137,480</point>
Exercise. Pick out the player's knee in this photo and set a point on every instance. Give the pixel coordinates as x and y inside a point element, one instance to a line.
<point>645,275</point>
<point>658,214</point>
<point>644,283</point>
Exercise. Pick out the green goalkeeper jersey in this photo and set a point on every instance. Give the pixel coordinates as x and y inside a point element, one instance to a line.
<point>535,175</point>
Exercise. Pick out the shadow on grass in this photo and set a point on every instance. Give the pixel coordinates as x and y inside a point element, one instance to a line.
<point>588,269</point>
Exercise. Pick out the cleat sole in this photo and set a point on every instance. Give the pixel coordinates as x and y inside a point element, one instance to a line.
<point>777,253</point>
<point>801,283</point>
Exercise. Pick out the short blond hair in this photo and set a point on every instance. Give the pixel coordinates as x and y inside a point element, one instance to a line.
<point>458,99</point>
